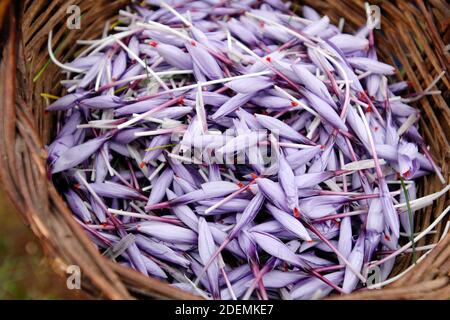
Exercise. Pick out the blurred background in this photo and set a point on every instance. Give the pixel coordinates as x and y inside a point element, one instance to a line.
<point>24,271</point>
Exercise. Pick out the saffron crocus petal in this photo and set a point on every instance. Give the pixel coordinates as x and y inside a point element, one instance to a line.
<point>77,154</point>
<point>160,185</point>
<point>313,84</point>
<point>325,110</point>
<point>232,246</point>
<point>127,136</point>
<point>273,192</point>
<point>101,170</point>
<point>210,98</point>
<point>174,56</point>
<point>153,268</point>
<point>280,128</point>
<point>289,222</point>
<point>241,32</point>
<point>102,102</point>
<point>249,85</point>
<point>208,190</point>
<point>315,288</point>
<point>167,232</point>
<point>133,45</point>
<point>276,279</point>
<point>232,104</point>
<point>271,102</point>
<point>84,62</point>
<point>114,190</point>
<point>367,64</point>
<point>375,217</point>
<point>160,250</point>
<point>66,102</point>
<point>164,37</point>
<point>205,62</point>
<point>135,70</point>
<point>77,206</point>
<point>356,259</point>
<point>407,159</point>
<point>310,14</point>
<point>401,109</point>
<point>239,288</point>
<point>309,180</point>
<point>231,206</point>
<point>139,107</point>
<point>206,248</point>
<point>287,180</point>
<point>345,238</point>
<point>242,142</point>
<point>317,26</point>
<point>136,259</point>
<point>249,214</point>
<point>119,65</point>
<point>348,43</point>
<point>276,248</point>
<point>301,157</point>
<point>184,213</point>
<point>356,124</point>
<point>390,214</point>
<point>90,76</point>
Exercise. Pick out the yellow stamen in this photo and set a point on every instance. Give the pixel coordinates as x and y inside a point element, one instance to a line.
<point>49,96</point>
<point>161,147</point>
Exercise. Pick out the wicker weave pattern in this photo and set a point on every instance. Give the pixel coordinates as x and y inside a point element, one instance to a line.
<point>413,37</point>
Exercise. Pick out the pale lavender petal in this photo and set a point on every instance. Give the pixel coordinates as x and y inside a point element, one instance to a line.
<point>76,155</point>
<point>307,289</point>
<point>204,61</point>
<point>356,259</point>
<point>249,85</point>
<point>160,251</point>
<point>276,248</point>
<point>174,56</point>
<point>206,248</point>
<point>183,212</point>
<point>279,279</point>
<point>367,64</point>
<point>77,206</point>
<point>167,232</point>
<point>289,222</point>
<point>281,128</point>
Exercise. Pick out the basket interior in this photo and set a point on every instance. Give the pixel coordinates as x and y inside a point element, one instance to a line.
<point>403,41</point>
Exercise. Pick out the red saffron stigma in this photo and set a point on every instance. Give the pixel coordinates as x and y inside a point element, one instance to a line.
<point>142,165</point>
<point>153,44</point>
<point>296,213</point>
<point>294,103</point>
<point>194,43</point>
<point>268,59</point>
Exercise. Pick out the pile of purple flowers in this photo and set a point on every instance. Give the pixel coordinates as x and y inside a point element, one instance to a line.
<point>325,144</point>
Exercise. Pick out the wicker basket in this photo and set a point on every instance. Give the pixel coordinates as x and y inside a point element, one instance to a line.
<point>413,37</point>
